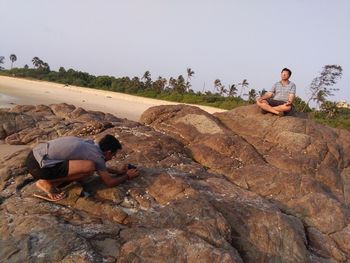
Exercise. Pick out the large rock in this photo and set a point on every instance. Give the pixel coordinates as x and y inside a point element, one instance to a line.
<point>238,186</point>
<point>299,165</point>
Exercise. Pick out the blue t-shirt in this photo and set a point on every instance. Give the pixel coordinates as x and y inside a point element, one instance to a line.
<point>282,92</point>
<point>69,148</point>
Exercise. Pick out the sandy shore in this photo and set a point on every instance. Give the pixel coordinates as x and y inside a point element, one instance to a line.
<point>15,91</point>
<point>22,91</point>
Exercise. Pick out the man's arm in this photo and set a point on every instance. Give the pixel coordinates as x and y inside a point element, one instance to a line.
<point>117,171</point>
<point>291,98</point>
<point>110,181</point>
<point>266,96</point>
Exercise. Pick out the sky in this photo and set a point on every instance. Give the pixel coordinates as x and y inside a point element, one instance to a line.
<point>230,40</point>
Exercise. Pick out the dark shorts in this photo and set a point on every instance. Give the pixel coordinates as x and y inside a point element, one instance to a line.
<point>60,170</point>
<point>275,103</point>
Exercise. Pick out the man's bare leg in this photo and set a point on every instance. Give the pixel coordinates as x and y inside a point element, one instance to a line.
<point>77,170</point>
<point>266,107</point>
<point>283,108</point>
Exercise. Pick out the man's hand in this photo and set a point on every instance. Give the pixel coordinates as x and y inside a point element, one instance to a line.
<point>132,173</point>
<point>288,103</point>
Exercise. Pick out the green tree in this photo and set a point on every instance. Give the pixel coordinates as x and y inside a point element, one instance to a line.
<point>26,67</point>
<point>243,85</point>
<point>232,92</point>
<point>2,58</point>
<point>37,62</point>
<point>262,92</point>
<point>62,71</point>
<point>329,108</point>
<point>159,84</point>
<point>299,105</point>
<point>147,78</point>
<point>190,74</point>
<point>219,87</point>
<point>252,95</point>
<point>319,98</point>
<point>324,82</point>
<point>180,86</point>
<point>13,58</point>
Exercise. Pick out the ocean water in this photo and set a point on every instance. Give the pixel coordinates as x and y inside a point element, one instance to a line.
<point>6,101</point>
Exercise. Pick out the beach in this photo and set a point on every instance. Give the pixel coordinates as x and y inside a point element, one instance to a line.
<point>16,91</point>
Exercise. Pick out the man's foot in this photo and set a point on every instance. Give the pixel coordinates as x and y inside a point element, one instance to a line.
<point>52,193</point>
<point>51,197</point>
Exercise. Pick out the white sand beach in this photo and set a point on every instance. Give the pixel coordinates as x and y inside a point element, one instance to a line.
<point>14,91</point>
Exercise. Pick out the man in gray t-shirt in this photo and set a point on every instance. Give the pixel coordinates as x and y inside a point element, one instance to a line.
<point>279,99</point>
<point>69,159</point>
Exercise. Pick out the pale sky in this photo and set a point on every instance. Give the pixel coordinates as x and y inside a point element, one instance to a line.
<point>230,40</point>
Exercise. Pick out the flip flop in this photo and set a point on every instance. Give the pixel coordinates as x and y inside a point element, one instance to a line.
<point>47,198</point>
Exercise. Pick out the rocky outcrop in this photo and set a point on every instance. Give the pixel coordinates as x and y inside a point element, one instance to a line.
<point>237,186</point>
<point>296,164</point>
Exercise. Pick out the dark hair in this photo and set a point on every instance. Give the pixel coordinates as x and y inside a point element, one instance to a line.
<point>109,143</point>
<point>288,70</point>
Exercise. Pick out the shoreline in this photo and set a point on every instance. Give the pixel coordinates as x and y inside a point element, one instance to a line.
<point>19,91</point>
<point>25,91</point>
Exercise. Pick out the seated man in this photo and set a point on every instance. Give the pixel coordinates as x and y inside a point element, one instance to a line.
<point>280,98</point>
<point>70,159</point>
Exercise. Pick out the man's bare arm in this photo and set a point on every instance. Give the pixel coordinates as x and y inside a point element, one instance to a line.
<point>110,181</point>
<point>291,98</point>
<point>266,96</point>
<point>118,171</point>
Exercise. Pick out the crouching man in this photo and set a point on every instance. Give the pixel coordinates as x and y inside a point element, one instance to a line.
<point>68,159</point>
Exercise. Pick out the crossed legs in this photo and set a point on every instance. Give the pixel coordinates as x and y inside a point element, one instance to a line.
<point>278,110</point>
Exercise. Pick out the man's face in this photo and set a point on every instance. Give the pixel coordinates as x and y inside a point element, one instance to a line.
<point>109,155</point>
<point>284,75</point>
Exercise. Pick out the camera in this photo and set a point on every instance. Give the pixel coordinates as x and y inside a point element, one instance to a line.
<point>131,166</point>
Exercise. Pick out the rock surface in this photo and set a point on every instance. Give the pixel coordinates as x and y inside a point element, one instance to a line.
<point>237,186</point>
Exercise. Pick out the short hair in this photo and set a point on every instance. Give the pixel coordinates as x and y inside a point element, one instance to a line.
<point>288,70</point>
<point>109,143</point>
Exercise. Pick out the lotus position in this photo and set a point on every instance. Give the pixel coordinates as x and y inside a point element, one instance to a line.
<point>279,99</point>
<point>68,159</point>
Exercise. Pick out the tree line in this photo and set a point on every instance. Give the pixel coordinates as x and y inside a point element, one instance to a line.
<point>179,89</point>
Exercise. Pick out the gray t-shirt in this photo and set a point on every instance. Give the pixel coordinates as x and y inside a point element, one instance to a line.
<point>282,92</point>
<point>69,148</point>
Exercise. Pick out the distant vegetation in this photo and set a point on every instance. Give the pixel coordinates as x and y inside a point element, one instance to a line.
<point>179,89</point>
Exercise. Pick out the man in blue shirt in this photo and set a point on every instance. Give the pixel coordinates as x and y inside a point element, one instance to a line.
<point>68,159</point>
<point>280,98</point>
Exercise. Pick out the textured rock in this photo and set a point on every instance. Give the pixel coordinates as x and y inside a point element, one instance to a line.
<point>237,186</point>
<point>301,166</point>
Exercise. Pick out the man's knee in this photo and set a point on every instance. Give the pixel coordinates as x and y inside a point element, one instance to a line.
<point>261,102</point>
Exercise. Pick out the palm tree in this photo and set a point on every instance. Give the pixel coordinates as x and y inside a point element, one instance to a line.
<point>232,90</point>
<point>262,92</point>
<point>252,95</point>
<point>190,73</point>
<point>159,84</point>
<point>13,58</point>
<point>2,58</point>
<point>172,83</point>
<point>147,77</point>
<point>37,62</point>
<point>243,85</point>
<point>180,84</point>
<point>219,87</point>
<point>217,84</point>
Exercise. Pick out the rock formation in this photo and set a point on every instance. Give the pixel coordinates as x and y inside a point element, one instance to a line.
<point>237,186</point>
